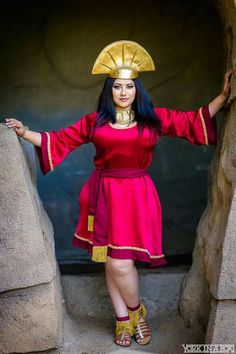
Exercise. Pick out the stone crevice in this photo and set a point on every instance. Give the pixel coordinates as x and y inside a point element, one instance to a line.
<point>213,271</point>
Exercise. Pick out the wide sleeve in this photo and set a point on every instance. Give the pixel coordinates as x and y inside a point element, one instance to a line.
<point>196,126</point>
<point>56,145</point>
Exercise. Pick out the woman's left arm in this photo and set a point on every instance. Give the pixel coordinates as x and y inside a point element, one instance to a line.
<point>217,103</point>
<point>198,126</point>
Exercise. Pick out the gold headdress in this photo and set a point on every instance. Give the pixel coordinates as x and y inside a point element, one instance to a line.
<point>123,60</point>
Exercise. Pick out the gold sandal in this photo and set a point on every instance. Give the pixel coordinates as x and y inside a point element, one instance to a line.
<point>142,332</point>
<point>123,333</point>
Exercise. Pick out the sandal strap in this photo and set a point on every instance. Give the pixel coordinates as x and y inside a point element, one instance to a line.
<point>124,327</point>
<point>124,339</point>
<point>142,330</point>
<point>136,315</point>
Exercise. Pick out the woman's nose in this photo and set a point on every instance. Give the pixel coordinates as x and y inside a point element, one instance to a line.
<point>123,91</point>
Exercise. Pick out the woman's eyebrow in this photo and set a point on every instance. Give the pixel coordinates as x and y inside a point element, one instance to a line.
<point>124,84</point>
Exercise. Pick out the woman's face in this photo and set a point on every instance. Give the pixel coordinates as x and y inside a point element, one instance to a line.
<point>123,93</point>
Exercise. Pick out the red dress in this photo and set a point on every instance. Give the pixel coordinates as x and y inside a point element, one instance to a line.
<point>125,219</point>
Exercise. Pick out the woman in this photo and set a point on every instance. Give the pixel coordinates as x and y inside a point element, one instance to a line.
<point>120,213</point>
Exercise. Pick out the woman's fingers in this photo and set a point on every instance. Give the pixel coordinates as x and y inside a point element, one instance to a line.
<point>12,122</point>
<point>226,87</point>
<point>229,74</point>
<point>16,125</point>
<point>9,120</point>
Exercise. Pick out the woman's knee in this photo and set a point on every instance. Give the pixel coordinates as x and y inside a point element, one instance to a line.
<point>119,266</point>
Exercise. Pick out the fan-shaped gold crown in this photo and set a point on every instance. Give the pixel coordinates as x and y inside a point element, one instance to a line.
<point>123,60</point>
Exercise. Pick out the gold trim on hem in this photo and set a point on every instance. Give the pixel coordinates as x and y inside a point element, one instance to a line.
<point>135,249</point>
<point>203,126</point>
<point>83,239</point>
<point>49,152</point>
<point>120,247</point>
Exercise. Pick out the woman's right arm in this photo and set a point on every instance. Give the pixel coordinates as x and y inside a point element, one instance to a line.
<point>18,127</point>
<point>52,147</point>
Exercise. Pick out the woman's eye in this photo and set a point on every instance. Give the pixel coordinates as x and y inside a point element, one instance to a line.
<point>117,87</point>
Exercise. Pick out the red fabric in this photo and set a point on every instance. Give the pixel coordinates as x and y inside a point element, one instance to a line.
<point>134,308</point>
<point>43,154</point>
<point>124,253</point>
<point>97,205</point>
<point>210,125</point>
<point>64,141</point>
<point>134,229</point>
<point>122,319</point>
<point>188,125</point>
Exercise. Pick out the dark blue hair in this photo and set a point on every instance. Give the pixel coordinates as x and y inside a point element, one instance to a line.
<point>142,107</point>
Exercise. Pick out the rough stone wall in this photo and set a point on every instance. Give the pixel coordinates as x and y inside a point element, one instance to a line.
<point>209,290</point>
<point>30,290</point>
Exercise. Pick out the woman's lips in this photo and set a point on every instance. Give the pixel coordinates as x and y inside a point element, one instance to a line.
<point>123,99</point>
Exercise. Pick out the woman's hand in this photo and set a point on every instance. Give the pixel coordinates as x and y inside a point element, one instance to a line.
<point>16,125</point>
<point>226,84</point>
<point>32,137</point>
<point>217,103</point>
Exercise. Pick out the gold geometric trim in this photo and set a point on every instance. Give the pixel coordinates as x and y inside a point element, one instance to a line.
<point>122,247</point>
<point>49,152</point>
<point>90,222</point>
<point>203,126</point>
<point>99,254</point>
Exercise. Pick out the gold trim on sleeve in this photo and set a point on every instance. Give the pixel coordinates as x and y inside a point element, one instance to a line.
<point>49,152</point>
<point>203,126</point>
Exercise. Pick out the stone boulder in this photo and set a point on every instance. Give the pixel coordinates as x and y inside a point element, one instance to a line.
<point>30,291</point>
<point>209,289</point>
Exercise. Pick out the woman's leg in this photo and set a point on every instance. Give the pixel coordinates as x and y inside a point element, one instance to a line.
<point>124,284</point>
<point>119,305</point>
<point>116,296</point>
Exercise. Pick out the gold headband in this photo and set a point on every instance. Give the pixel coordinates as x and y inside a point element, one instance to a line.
<point>123,60</point>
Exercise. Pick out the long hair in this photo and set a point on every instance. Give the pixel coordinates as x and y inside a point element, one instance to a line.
<point>142,107</point>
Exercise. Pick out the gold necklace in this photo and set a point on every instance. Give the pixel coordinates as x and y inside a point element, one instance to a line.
<point>125,117</point>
